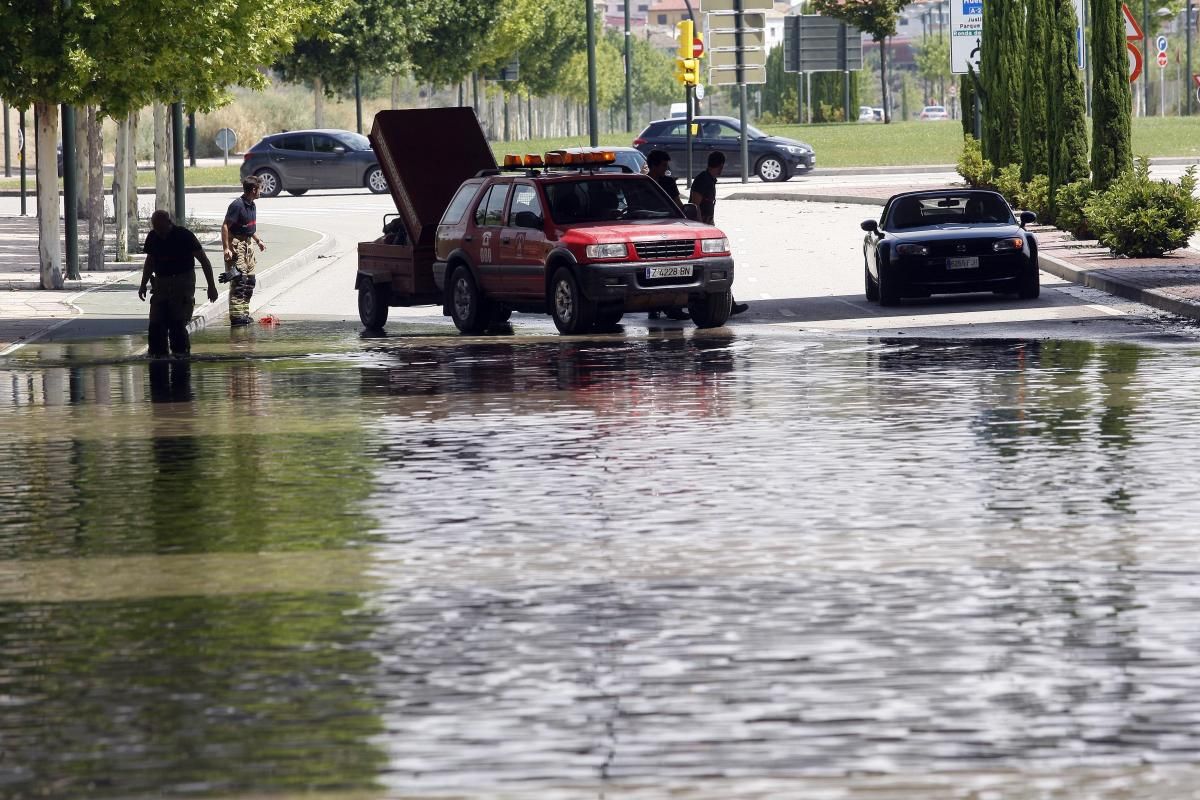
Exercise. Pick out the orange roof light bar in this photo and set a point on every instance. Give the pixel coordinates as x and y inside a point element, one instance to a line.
<point>512,160</point>
<point>533,160</point>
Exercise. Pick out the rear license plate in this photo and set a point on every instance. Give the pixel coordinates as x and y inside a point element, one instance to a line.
<point>969,262</point>
<point>684,271</point>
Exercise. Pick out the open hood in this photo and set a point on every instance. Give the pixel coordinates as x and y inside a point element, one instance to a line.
<point>426,154</point>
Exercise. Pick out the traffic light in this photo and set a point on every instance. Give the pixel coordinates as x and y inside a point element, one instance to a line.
<point>687,71</point>
<point>687,34</point>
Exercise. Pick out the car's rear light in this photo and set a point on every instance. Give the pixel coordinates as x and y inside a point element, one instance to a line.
<point>638,142</point>
<point>246,157</point>
<point>1008,245</point>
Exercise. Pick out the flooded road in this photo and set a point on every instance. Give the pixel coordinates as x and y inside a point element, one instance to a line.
<point>738,563</point>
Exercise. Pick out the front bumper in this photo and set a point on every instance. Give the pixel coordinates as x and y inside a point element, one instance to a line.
<point>933,275</point>
<point>803,161</point>
<point>626,282</point>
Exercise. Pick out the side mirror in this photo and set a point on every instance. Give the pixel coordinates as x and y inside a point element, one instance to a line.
<point>691,211</point>
<point>869,225</point>
<point>527,219</point>
<point>1027,217</point>
<point>339,149</point>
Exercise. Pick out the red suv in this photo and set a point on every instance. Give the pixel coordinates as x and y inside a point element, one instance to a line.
<point>580,239</point>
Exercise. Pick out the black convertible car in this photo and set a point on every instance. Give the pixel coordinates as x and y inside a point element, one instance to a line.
<point>948,241</point>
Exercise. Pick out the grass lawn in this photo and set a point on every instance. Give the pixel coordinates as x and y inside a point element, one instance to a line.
<point>837,145</point>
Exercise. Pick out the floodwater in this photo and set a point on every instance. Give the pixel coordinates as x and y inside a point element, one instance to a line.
<point>720,565</point>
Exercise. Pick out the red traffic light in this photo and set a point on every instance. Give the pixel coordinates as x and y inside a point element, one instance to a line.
<point>697,47</point>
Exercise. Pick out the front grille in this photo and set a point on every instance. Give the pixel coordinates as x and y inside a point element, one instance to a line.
<point>670,248</point>
<point>971,247</point>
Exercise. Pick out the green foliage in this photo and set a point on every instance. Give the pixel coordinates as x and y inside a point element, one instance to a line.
<point>1008,183</point>
<point>933,59</point>
<point>1068,112</point>
<point>1139,217</point>
<point>975,169</point>
<point>450,42</point>
<point>966,97</point>
<point>878,18</point>
<point>1000,70</point>
<point>1111,98</point>
<point>653,75</point>
<point>1070,204</point>
<point>1035,196</point>
<point>1035,92</point>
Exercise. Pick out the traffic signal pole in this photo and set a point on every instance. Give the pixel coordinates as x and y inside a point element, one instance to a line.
<point>685,49</point>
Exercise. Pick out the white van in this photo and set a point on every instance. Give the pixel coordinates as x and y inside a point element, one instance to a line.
<point>678,110</point>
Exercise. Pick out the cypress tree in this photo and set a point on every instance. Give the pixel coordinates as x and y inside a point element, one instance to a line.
<point>1068,109</point>
<point>1035,98</point>
<point>1000,73</point>
<point>966,102</point>
<point>1112,101</point>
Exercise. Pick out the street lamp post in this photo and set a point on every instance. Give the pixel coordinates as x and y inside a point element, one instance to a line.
<point>628,72</point>
<point>593,112</point>
<point>1187,72</point>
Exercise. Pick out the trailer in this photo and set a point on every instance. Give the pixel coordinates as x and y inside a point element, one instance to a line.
<point>426,155</point>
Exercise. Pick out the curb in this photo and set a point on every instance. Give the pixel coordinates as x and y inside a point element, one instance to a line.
<point>808,198</point>
<point>208,312</point>
<point>1149,297</point>
<point>32,191</point>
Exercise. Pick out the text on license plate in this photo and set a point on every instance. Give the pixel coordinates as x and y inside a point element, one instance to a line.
<point>684,271</point>
<point>967,262</point>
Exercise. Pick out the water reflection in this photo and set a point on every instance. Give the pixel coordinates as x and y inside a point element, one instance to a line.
<point>599,564</point>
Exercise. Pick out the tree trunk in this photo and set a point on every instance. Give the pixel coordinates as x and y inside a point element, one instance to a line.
<point>81,163</point>
<point>395,91</point>
<point>883,88</point>
<point>162,159</point>
<point>132,202</point>
<point>318,103</point>
<point>120,190</point>
<point>49,246</point>
<point>95,190</point>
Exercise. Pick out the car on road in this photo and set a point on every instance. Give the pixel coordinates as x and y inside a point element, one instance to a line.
<point>626,156</point>
<point>960,240</point>
<point>296,161</point>
<point>772,158</point>
<point>867,114</point>
<point>934,113</point>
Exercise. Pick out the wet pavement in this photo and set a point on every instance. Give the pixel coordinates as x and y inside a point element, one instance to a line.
<point>741,563</point>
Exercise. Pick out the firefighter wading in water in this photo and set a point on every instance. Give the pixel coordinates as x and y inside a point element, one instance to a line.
<point>238,237</point>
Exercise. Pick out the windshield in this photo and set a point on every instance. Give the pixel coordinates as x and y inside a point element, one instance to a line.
<point>755,133</point>
<point>355,141</point>
<point>593,200</point>
<point>949,209</point>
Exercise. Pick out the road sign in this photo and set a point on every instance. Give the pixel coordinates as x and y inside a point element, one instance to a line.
<point>813,43</point>
<point>728,40</point>
<point>725,76</point>
<point>966,34</point>
<point>1132,29</point>
<point>697,47</point>
<point>731,6</point>
<point>1161,43</point>
<point>1134,55</point>
<point>226,139</point>
<point>1162,60</point>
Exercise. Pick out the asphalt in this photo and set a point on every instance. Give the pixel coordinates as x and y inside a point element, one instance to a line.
<point>106,303</point>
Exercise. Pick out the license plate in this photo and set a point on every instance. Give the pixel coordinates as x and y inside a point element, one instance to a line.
<point>969,262</point>
<point>684,271</point>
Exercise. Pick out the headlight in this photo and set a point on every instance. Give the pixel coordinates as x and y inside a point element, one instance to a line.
<point>1008,245</point>
<point>795,150</point>
<point>607,251</point>
<point>714,245</point>
<point>912,250</point>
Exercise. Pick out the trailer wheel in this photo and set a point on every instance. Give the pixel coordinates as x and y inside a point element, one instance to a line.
<point>373,301</point>
<point>468,308</point>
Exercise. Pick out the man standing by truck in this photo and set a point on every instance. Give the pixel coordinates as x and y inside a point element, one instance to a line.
<point>171,254</point>
<point>704,195</point>
<point>239,235</point>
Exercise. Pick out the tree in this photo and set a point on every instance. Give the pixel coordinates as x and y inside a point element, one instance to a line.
<point>1035,104</point>
<point>1112,148</point>
<point>877,18</point>
<point>1068,153</point>
<point>966,101</point>
<point>1002,51</point>
<point>933,60</point>
<point>450,40</point>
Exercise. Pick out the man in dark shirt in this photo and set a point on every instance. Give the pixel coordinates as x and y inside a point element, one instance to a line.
<point>659,164</point>
<point>239,235</point>
<point>704,195</point>
<point>171,253</point>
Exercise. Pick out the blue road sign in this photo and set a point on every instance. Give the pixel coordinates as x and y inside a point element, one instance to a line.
<point>972,7</point>
<point>1161,42</point>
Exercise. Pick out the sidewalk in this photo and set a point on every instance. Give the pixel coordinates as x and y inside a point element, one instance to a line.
<point>1170,283</point>
<point>29,313</point>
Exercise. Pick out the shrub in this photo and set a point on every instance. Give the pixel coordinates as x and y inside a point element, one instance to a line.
<point>1142,218</point>
<point>976,170</point>
<point>1035,197</point>
<point>1008,183</point>
<point>1071,200</point>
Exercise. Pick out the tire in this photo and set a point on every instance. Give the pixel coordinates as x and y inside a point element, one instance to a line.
<point>609,318</point>
<point>297,192</point>
<point>713,311</point>
<point>1029,287</point>
<point>269,184</point>
<point>889,292</point>
<point>375,180</point>
<point>373,300</point>
<point>573,313</point>
<point>771,169</point>
<point>467,306</point>
<point>872,288</point>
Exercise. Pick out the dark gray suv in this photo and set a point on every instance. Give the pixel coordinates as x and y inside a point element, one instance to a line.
<point>296,161</point>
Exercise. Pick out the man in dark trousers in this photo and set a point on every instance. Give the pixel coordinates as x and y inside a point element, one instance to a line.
<point>704,195</point>
<point>239,235</point>
<point>171,254</point>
